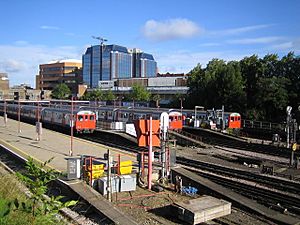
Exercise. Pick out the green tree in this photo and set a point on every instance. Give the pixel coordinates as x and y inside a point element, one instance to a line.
<point>272,98</point>
<point>36,178</point>
<point>289,68</point>
<point>94,95</point>
<point>109,95</point>
<point>197,84</point>
<point>259,88</point>
<point>139,93</point>
<point>61,91</point>
<point>219,84</point>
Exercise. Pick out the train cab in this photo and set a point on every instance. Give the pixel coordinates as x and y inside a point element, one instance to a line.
<point>234,121</point>
<point>175,121</point>
<point>85,121</point>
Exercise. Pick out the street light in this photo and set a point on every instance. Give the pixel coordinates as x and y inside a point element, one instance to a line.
<point>4,114</point>
<point>72,125</point>
<point>288,120</point>
<point>19,116</point>
<point>181,99</point>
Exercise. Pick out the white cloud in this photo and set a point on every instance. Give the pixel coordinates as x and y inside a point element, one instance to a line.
<point>22,62</point>
<point>292,45</point>
<point>210,44</point>
<point>183,61</point>
<point>12,65</point>
<point>240,30</point>
<point>170,29</point>
<point>21,42</point>
<point>45,27</point>
<point>259,40</point>
<point>283,46</point>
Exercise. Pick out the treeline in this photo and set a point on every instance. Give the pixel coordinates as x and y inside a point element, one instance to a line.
<point>258,88</point>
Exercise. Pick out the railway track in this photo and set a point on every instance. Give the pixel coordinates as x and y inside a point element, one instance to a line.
<point>113,140</point>
<point>274,192</point>
<point>270,197</point>
<point>280,201</point>
<point>265,180</point>
<point>81,213</point>
<point>228,142</point>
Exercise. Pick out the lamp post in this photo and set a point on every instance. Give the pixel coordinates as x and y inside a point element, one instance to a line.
<point>181,107</point>
<point>38,124</point>
<point>181,99</point>
<point>288,126</point>
<point>4,113</point>
<point>288,120</point>
<point>19,116</point>
<point>120,98</point>
<point>72,124</point>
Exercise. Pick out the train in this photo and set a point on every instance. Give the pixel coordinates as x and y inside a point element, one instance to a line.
<point>212,119</point>
<point>86,116</point>
<point>129,115</point>
<point>177,118</point>
<point>84,121</point>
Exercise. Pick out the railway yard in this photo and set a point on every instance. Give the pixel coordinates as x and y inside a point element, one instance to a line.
<point>254,177</point>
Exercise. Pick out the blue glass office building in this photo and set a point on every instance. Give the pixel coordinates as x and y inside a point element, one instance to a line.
<point>110,62</point>
<point>144,65</point>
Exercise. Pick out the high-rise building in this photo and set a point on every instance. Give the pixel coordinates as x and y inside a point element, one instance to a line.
<point>110,62</point>
<point>144,64</point>
<point>54,73</point>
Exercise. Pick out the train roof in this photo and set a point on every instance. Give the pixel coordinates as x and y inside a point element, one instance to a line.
<point>75,111</point>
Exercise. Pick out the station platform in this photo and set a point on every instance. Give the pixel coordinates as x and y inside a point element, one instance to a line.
<point>51,144</point>
<point>57,145</point>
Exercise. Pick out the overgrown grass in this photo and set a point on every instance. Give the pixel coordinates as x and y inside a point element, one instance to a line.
<point>10,189</point>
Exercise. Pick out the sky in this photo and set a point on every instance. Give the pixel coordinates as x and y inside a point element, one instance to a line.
<point>179,34</point>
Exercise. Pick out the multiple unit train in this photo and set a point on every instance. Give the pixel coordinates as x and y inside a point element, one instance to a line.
<point>128,115</point>
<point>86,117</point>
<point>177,119</point>
<point>83,120</point>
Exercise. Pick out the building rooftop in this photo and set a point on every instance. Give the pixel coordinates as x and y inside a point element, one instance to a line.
<point>65,61</point>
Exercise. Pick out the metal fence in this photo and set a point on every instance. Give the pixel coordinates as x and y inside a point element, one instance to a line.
<point>263,125</point>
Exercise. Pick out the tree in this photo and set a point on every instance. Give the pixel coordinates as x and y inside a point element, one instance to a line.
<point>219,84</point>
<point>36,178</point>
<point>95,95</point>
<point>109,95</point>
<point>196,84</point>
<point>259,88</point>
<point>139,93</point>
<point>272,98</point>
<point>61,91</point>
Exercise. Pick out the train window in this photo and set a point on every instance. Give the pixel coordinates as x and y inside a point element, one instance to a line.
<point>231,119</point>
<point>86,117</point>
<point>80,118</point>
<point>92,117</point>
<point>239,118</point>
